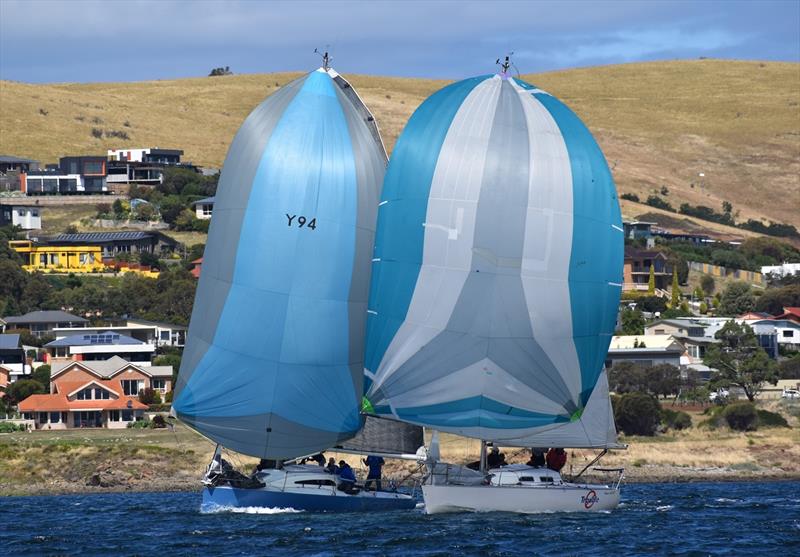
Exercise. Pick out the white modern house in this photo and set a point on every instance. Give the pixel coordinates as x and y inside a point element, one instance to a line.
<point>25,215</point>
<point>150,332</point>
<point>204,208</point>
<point>103,345</point>
<point>781,270</point>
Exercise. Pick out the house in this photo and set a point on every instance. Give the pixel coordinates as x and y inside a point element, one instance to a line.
<point>674,327</point>
<point>204,208</point>
<point>781,270</point>
<point>645,350</point>
<point>752,316</point>
<point>197,267</point>
<point>149,332</point>
<point>95,394</point>
<point>143,166</point>
<point>634,230</point>
<point>636,269</point>
<point>114,243</point>
<point>15,212</point>
<point>785,331</point>
<point>12,357</point>
<point>5,378</point>
<point>10,170</point>
<point>682,236</point>
<point>93,346</point>
<point>58,259</point>
<point>10,163</point>
<point>41,323</point>
<point>71,176</point>
<point>790,313</point>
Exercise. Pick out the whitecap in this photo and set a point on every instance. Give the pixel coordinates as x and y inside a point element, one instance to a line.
<point>726,500</point>
<point>420,506</point>
<point>210,509</point>
<point>664,508</point>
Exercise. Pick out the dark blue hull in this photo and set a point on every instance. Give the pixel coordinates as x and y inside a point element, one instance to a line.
<point>227,497</point>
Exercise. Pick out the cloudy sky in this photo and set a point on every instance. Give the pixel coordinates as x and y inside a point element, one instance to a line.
<point>128,40</point>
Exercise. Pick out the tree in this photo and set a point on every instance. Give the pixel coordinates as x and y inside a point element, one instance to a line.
<point>119,209</point>
<point>775,299</point>
<point>42,375</point>
<point>103,209</point>
<point>740,361</point>
<point>707,284</point>
<point>632,322</point>
<point>651,282</point>
<point>22,389</point>
<point>663,380</point>
<point>790,368</point>
<point>637,414</point>
<point>626,377</point>
<point>736,299</point>
<point>675,299</point>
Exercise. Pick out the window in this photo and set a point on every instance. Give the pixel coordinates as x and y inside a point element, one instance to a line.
<point>659,331</point>
<point>315,482</point>
<point>55,417</point>
<point>164,335</point>
<point>127,415</point>
<point>92,167</point>
<point>101,394</point>
<point>207,209</point>
<point>131,387</point>
<point>694,351</point>
<point>113,415</point>
<point>42,417</point>
<point>788,334</point>
<point>85,394</point>
<point>160,384</point>
<point>35,213</point>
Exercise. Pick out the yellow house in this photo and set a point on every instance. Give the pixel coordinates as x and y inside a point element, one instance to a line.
<point>58,259</point>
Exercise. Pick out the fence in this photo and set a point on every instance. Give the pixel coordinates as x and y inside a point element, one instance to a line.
<point>753,277</point>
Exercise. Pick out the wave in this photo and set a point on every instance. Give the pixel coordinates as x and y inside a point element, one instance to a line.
<point>664,508</point>
<point>212,509</point>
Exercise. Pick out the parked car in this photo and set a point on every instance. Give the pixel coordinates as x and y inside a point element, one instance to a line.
<point>791,394</point>
<point>720,395</point>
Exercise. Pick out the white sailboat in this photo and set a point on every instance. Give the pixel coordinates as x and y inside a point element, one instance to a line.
<point>496,279</point>
<point>273,366</point>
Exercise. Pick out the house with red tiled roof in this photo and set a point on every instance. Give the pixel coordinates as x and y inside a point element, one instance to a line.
<point>789,314</point>
<point>197,267</point>
<point>100,393</point>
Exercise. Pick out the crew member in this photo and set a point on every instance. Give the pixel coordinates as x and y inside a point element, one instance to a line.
<point>331,468</point>
<point>347,478</point>
<point>556,459</point>
<point>537,459</point>
<point>319,458</point>
<point>495,458</point>
<point>375,464</point>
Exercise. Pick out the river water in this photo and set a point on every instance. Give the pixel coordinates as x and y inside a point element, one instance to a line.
<point>654,519</point>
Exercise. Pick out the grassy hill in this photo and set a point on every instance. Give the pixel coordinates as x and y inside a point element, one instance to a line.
<point>659,124</point>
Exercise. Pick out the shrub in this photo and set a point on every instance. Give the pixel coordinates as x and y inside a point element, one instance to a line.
<point>140,424</point>
<point>658,203</point>
<point>630,197</point>
<point>8,427</point>
<point>97,133</point>
<point>675,419</point>
<point>148,396</point>
<point>637,414</point>
<point>168,397</point>
<point>771,419</point>
<point>159,422</point>
<point>741,416</point>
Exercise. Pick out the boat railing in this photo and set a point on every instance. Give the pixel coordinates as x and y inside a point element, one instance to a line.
<point>620,474</point>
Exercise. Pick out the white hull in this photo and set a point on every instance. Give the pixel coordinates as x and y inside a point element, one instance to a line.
<point>519,499</point>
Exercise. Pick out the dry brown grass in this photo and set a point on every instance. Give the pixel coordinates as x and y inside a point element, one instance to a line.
<point>659,123</point>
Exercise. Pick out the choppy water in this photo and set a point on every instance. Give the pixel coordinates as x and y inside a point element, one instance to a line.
<point>682,519</point>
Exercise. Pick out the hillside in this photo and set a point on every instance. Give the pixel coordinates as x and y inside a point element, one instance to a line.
<point>659,124</point>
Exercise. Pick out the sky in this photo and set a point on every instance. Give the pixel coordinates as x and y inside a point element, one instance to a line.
<point>134,40</point>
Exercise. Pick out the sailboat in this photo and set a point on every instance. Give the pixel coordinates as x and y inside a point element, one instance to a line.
<point>273,365</point>
<point>495,285</point>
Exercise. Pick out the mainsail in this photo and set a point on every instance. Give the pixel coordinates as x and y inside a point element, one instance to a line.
<point>273,365</point>
<point>497,270</point>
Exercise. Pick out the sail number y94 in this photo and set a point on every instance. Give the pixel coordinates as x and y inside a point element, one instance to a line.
<point>301,221</point>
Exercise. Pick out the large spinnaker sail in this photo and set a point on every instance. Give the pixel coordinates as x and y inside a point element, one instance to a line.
<point>498,265</point>
<point>273,365</point>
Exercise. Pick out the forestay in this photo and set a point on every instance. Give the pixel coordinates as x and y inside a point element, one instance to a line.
<point>273,365</point>
<point>497,270</point>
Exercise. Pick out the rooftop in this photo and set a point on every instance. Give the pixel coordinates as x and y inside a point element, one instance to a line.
<point>107,368</point>
<point>649,342</point>
<point>48,316</point>
<point>9,342</point>
<point>94,237</point>
<point>11,158</point>
<point>94,339</point>
<point>206,201</point>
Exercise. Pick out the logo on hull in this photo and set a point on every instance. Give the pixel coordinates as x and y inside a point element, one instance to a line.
<point>589,499</point>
